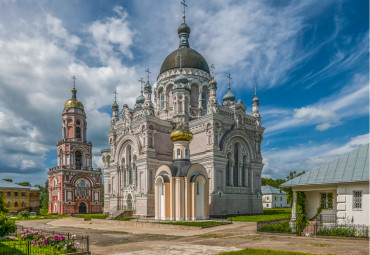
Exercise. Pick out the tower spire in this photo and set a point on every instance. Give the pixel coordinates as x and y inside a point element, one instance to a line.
<point>255,90</point>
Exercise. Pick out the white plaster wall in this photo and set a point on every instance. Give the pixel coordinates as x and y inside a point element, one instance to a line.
<point>346,213</point>
<point>313,202</point>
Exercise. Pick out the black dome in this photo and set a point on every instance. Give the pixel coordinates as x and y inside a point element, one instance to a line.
<point>190,59</point>
<point>183,28</point>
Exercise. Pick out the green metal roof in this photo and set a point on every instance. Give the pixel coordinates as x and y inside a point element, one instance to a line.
<point>351,167</point>
<point>271,190</point>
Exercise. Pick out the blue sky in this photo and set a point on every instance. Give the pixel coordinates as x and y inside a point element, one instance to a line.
<point>309,59</point>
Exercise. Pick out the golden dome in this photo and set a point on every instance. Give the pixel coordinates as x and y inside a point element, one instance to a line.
<point>181,133</point>
<point>74,103</point>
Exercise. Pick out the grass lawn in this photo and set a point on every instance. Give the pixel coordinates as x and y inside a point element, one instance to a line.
<point>42,217</point>
<point>268,214</point>
<point>20,248</point>
<point>91,216</point>
<point>264,252</point>
<point>195,224</point>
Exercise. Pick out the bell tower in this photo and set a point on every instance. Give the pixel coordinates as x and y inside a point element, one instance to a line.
<point>74,186</point>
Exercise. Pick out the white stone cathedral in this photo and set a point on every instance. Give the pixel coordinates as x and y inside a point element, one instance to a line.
<point>226,140</point>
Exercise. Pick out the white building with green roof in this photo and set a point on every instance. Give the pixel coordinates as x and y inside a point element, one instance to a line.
<point>340,187</point>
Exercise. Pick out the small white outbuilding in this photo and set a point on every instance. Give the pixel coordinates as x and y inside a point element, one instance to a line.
<point>340,188</point>
<point>273,197</point>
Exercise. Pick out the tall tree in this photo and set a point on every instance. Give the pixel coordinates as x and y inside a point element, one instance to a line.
<point>3,207</point>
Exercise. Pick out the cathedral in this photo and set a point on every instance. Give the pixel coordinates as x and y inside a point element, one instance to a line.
<point>147,169</point>
<point>74,186</point>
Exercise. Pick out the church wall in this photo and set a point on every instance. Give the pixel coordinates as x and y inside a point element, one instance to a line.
<point>163,144</point>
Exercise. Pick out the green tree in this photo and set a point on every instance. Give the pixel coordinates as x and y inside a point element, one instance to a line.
<point>3,207</point>
<point>272,182</point>
<point>26,184</point>
<point>44,195</point>
<point>7,225</point>
<point>288,190</point>
<point>8,180</point>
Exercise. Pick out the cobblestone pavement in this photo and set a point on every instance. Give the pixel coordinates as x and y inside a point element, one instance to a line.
<point>110,239</point>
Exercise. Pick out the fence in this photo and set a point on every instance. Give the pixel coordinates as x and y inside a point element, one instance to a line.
<point>328,218</point>
<point>81,242</point>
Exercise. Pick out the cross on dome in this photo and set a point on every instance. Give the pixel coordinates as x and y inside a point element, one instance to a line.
<point>185,5</point>
<point>115,95</point>
<point>74,81</point>
<point>229,77</point>
<point>149,72</point>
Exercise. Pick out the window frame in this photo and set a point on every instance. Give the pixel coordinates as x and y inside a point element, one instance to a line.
<point>357,200</point>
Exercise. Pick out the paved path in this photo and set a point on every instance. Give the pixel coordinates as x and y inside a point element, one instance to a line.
<point>111,239</point>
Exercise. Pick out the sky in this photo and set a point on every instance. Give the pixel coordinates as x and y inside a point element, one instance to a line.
<point>309,59</point>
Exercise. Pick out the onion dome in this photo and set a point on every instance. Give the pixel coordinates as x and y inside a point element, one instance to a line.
<point>148,88</point>
<point>181,79</point>
<point>140,99</point>
<point>181,133</point>
<point>183,28</point>
<point>74,102</point>
<point>212,84</point>
<point>229,96</point>
<point>115,106</point>
<point>190,58</point>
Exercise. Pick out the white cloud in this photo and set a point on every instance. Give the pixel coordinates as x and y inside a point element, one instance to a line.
<point>328,112</point>
<point>280,161</point>
<point>107,34</point>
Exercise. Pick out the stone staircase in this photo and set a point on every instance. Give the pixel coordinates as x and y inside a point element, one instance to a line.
<point>120,214</point>
<point>309,230</point>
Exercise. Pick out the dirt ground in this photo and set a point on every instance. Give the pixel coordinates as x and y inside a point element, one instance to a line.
<point>116,240</point>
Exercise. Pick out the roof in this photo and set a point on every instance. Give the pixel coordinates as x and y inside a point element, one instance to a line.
<point>12,185</point>
<point>350,167</point>
<point>190,59</point>
<point>271,190</point>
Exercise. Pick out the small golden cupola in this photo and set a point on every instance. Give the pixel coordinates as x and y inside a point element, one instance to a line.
<point>181,133</point>
<point>74,102</point>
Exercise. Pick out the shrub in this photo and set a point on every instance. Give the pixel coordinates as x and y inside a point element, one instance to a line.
<point>337,231</point>
<point>23,215</point>
<point>280,227</point>
<point>7,226</point>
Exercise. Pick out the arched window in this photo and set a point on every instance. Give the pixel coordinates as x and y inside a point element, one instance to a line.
<point>162,99</point>
<point>178,153</point>
<point>9,204</point>
<point>78,132</point>
<point>23,204</point>
<point>187,152</point>
<point>236,165</point>
<point>228,170</point>
<point>78,122</point>
<point>244,183</point>
<point>194,95</point>
<point>83,188</point>
<point>15,204</point>
<point>78,159</point>
<point>204,98</point>
<point>169,96</point>
<point>129,155</point>
<point>197,188</point>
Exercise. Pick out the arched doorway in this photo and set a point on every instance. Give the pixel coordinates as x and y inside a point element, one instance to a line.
<point>129,202</point>
<point>82,208</point>
<point>199,197</point>
<point>160,199</point>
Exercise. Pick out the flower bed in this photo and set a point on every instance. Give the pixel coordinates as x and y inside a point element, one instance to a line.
<point>59,242</point>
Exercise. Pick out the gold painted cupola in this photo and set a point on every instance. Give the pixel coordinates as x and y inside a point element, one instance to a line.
<point>181,138</point>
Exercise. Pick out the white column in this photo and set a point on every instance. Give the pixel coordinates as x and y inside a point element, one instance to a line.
<point>294,206</point>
